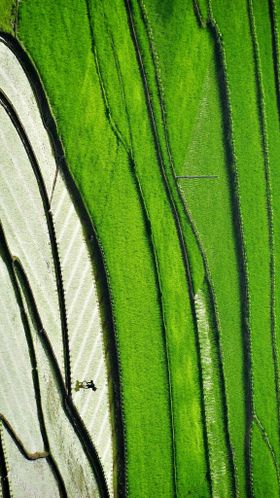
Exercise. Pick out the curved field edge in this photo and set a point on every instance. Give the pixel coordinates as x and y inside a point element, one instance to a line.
<point>94,247</point>
<point>138,309</point>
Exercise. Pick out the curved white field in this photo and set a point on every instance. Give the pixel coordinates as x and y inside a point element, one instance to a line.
<point>65,447</point>
<point>17,396</point>
<point>24,221</point>
<point>85,332</point>
<point>14,83</point>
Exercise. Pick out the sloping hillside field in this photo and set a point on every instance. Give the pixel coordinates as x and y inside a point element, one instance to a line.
<point>139,248</point>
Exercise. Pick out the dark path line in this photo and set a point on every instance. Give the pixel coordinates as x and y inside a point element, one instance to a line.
<point>269,446</point>
<point>7,105</point>
<point>27,454</point>
<point>5,483</point>
<point>66,400</point>
<point>240,239</point>
<point>9,262</point>
<point>275,50</point>
<point>94,245</point>
<point>269,200</point>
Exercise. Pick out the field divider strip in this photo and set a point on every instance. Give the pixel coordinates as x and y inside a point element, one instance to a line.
<point>269,200</point>
<point>8,107</point>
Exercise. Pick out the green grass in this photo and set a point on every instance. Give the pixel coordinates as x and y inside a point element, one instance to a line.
<point>193,265</point>
<point>7,15</point>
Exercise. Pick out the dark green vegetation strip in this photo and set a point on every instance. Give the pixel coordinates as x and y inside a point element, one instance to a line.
<point>9,15</point>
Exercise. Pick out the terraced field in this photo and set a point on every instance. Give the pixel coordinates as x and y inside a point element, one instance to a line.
<point>140,248</point>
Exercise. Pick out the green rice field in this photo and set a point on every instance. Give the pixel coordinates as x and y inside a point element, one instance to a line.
<point>140,248</point>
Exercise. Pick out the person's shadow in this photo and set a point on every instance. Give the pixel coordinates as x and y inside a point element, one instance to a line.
<point>85,385</point>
